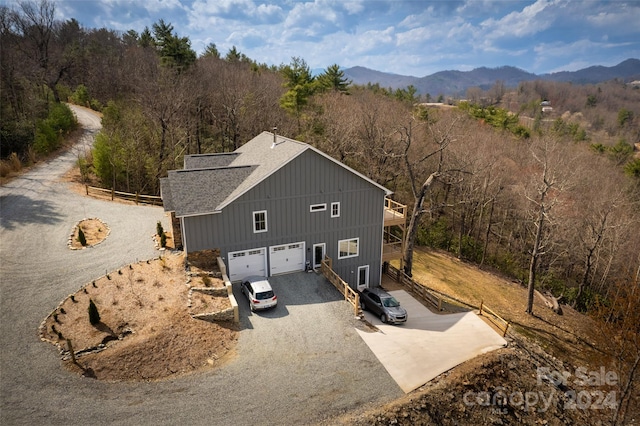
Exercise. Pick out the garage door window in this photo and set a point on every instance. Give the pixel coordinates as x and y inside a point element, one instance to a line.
<point>260,221</point>
<point>348,248</point>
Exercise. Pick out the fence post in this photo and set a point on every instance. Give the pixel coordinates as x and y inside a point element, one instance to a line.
<point>113,193</point>
<point>439,304</point>
<point>136,198</point>
<point>73,355</point>
<point>481,302</point>
<point>86,189</point>
<point>506,327</point>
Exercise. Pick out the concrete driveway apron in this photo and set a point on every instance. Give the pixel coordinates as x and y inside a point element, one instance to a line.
<point>427,344</point>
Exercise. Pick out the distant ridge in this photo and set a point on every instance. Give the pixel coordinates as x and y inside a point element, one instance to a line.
<point>456,83</point>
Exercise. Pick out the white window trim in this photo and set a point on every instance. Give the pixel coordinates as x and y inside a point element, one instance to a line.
<point>317,207</point>
<point>324,252</point>
<point>266,222</point>
<point>366,284</point>
<point>357,240</point>
<point>336,204</point>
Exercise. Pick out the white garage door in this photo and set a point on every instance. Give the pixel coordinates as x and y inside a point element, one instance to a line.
<point>286,258</point>
<point>245,263</point>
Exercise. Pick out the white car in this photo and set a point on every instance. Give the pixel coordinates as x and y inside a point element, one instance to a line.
<point>259,293</point>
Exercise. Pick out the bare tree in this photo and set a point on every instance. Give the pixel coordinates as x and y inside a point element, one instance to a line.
<point>416,152</point>
<point>618,329</point>
<point>551,176</point>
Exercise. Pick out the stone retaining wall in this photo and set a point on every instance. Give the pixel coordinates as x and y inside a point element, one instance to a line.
<point>229,314</point>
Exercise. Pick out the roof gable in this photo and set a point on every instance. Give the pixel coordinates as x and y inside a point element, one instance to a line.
<point>197,191</point>
<point>226,177</point>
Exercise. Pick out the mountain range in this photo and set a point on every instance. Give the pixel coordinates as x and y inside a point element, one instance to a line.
<point>455,83</point>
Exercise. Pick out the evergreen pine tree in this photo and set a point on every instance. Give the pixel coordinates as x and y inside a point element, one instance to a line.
<point>81,238</point>
<point>94,316</point>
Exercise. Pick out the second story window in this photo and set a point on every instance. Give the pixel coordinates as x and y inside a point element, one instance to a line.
<point>317,207</point>
<point>335,209</point>
<point>260,221</point>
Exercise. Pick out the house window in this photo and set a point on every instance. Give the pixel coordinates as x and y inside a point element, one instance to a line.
<point>317,207</point>
<point>348,248</point>
<point>335,209</point>
<point>260,221</point>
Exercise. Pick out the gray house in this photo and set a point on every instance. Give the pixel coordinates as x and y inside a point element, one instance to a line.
<point>276,205</point>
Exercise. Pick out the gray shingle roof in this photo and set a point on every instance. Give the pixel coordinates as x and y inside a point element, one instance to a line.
<point>198,191</point>
<point>204,161</point>
<point>210,182</point>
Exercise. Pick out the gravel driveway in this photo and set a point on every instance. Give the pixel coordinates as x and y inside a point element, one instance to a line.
<point>298,364</point>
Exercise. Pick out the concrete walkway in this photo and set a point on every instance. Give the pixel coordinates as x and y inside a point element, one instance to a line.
<point>427,344</point>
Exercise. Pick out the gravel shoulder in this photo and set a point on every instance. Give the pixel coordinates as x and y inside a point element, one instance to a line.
<point>302,373</point>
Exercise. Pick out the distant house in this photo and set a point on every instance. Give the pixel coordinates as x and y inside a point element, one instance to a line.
<point>546,106</point>
<point>276,205</point>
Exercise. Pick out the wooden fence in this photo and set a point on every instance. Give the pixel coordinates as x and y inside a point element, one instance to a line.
<point>436,301</point>
<point>415,287</point>
<point>136,198</point>
<point>350,295</point>
<point>496,319</point>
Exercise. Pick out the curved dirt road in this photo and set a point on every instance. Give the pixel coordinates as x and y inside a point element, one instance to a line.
<point>37,271</point>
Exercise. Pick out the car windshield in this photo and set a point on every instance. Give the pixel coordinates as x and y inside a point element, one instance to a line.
<point>264,295</point>
<point>390,302</point>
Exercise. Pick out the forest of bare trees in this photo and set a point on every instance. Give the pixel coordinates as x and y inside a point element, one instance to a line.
<point>551,206</point>
<point>554,206</point>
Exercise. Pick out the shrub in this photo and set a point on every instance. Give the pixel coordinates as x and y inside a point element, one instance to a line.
<point>94,316</point>
<point>95,105</point>
<point>80,96</point>
<point>61,118</point>
<point>81,238</point>
<point>5,168</point>
<point>46,140</point>
<point>632,168</point>
<point>159,229</point>
<point>16,164</point>
<point>49,131</point>
<point>163,240</point>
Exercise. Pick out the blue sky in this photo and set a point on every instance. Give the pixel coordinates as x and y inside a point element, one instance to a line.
<point>404,37</point>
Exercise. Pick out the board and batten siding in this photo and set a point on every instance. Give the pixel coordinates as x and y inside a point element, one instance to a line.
<point>287,196</point>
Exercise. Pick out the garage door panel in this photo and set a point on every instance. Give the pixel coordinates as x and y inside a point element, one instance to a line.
<point>245,263</point>
<point>286,258</point>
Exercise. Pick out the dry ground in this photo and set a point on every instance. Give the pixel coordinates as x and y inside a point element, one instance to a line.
<point>146,331</point>
<point>459,396</point>
<point>568,336</point>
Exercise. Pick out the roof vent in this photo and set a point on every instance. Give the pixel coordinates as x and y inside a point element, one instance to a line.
<point>273,145</point>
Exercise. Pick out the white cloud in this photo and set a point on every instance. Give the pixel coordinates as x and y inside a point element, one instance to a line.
<point>354,7</point>
<point>372,42</point>
<point>624,19</point>
<point>531,20</point>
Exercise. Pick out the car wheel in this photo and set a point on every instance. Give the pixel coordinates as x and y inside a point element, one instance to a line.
<point>383,318</point>
<point>363,305</point>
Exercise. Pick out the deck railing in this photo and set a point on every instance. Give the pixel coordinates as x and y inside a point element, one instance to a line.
<point>350,295</point>
<point>395,206</point>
